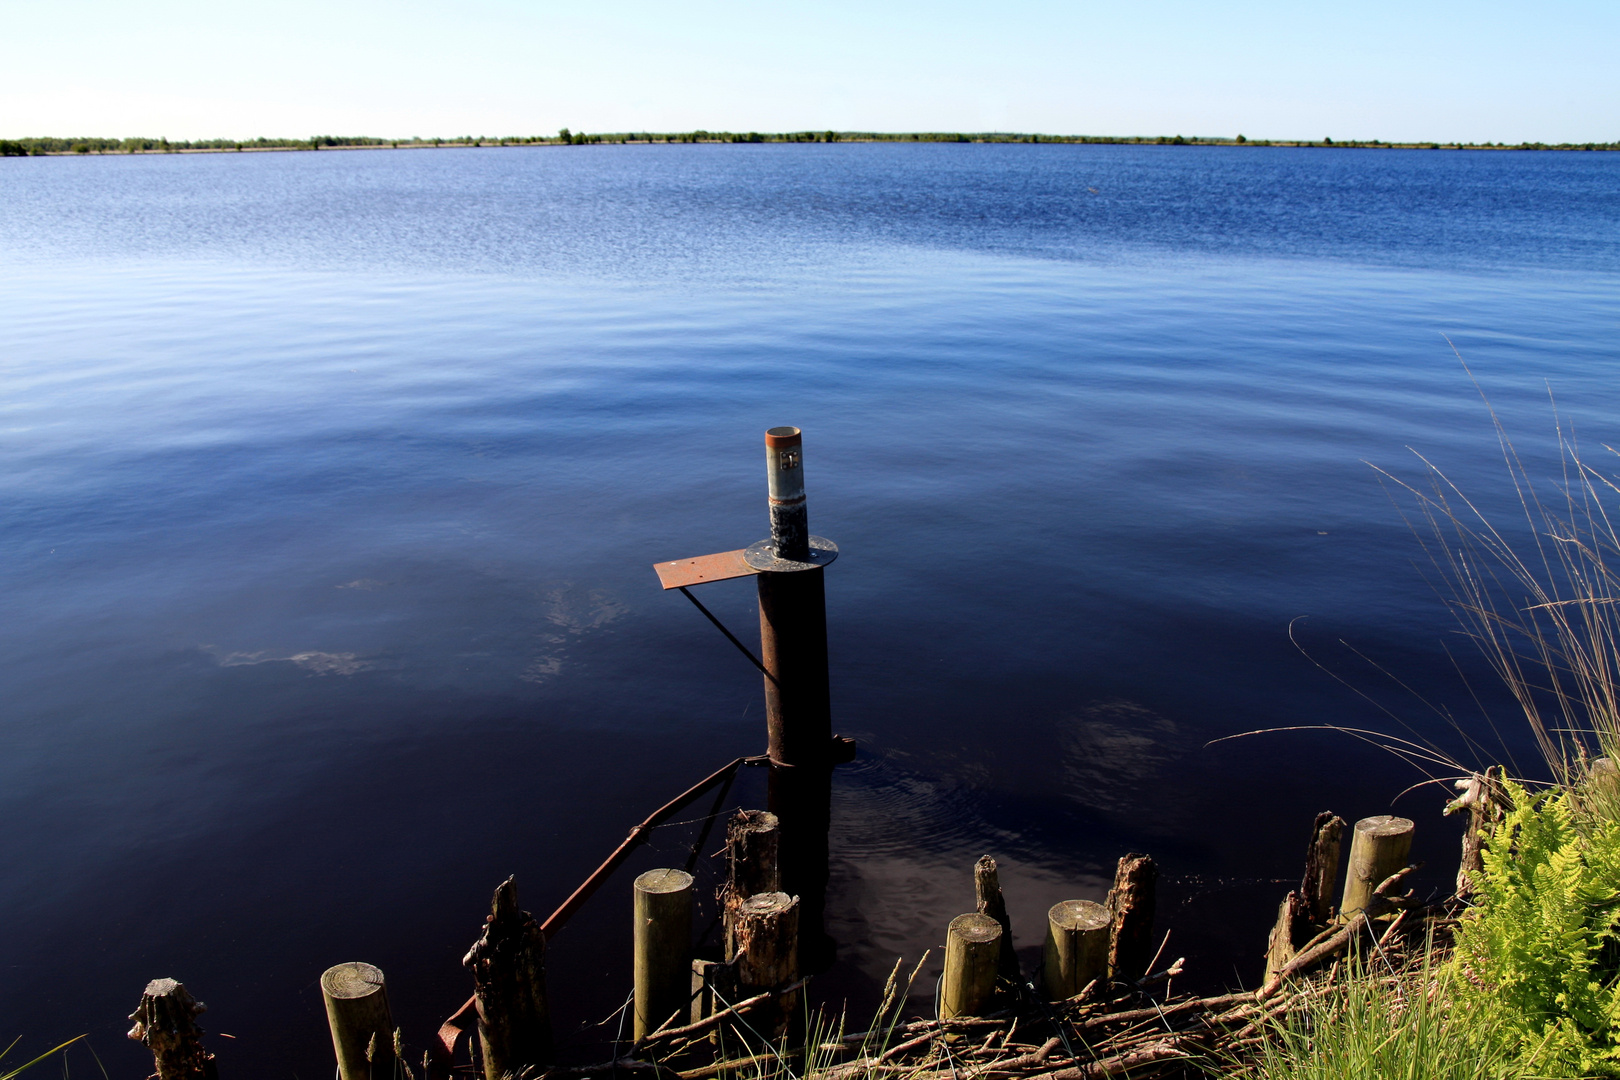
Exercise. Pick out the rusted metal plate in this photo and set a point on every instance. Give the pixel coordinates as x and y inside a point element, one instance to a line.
<point>680,573</point>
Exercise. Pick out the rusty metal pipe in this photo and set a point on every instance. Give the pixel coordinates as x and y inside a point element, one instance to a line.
<point>784,466</point>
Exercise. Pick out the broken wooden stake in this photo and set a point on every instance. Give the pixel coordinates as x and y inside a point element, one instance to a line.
<point>509,985</point>
<point>1321,868</point>
<point>753,865</point>
<point>663,947</point>
<point>987,892</point>
<point>972,957</point>
<point>1131,902</point>
<point>1077,940</point>
<point>1482,797</point>
<point>166,1023</point>
<point>1378,849</point>
<point>1282,944</point>
<point>362,1027</point>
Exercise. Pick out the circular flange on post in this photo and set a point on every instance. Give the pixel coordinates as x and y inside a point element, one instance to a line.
<point>762,556</point>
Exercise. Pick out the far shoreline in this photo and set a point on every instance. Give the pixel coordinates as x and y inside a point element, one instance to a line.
<point>50,146</point>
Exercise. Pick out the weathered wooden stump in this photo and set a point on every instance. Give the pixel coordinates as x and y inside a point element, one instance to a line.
<point>1482,799</point>
<point>362,1027</point>
<point>1131,902</point>
<point>509,984</point>
<point>768,954</point>
<point>1321,867</point>
<point>166,1023</point>
<point>1378,848</point>
<point>987,893</point>
<point>663,948</point>
<point>1078,933</point>
<point>753,865</point>
<point>1310,907</point>
<point>972,958</point>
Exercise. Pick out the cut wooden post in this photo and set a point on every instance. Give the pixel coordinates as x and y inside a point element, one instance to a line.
<point>972,957</point>
<point>362,1027</point>
<point>768,954</point>
<point>663,947</point>
<point>509,984</point>
<point>1378,848</point>
<point>1077,939</point>
<point>1131,902</point>
<point>753,841</point>
<point>1321,868</point>
<point>987,891</point>
<point>166,1023</point>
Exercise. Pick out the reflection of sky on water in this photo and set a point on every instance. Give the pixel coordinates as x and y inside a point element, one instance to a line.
<point>330,484</point>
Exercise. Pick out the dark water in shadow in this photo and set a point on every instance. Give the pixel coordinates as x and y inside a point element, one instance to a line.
<point>331,485</point>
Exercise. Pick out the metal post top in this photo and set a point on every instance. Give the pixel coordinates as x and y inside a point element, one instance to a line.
<point>761,555</point>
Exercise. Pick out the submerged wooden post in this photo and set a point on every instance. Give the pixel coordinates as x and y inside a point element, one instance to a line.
<point>753,840</point>
<point>972,956</point>
<point>1077,940</point>
<point>1378,849</point>
<point>166,1023</point>
<point>362,1027</point>
<point>1131,902</point>
<point>663,947</point>
<point>768,954</point>
<point>987,893</point>
<point>509,984</point>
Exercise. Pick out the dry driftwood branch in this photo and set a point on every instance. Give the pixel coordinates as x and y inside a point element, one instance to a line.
<point>714,1018</point>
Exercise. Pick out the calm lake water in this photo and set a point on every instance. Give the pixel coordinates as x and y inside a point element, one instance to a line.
<point>330,486</point>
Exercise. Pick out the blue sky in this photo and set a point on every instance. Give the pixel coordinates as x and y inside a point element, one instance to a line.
<point>1482,71</point>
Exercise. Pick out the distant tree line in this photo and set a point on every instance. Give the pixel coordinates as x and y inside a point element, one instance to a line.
<point>565,137</point>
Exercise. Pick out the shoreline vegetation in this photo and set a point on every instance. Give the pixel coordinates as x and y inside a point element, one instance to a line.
<point>41,146</point>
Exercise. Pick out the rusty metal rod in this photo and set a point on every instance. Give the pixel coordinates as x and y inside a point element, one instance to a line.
<point>718,625</point>
<point>450,1033</point>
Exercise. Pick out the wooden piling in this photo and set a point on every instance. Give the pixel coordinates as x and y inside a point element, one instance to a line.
<point>509,985</point>
<point>972,957</point>
<point>362,1027</point>
<point>752,865</point>
<point>1378,848</point>
<point>987,893</point>
<point>768,955</point>
<point>1131,902</point>
<point>663,947</point>
<point>166,1024</point>
<point>1078,934</point>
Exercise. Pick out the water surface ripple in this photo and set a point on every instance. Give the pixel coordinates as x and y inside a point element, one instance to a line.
<point>330,485</point>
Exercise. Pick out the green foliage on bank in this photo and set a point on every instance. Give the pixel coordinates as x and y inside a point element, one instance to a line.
<point>1374,1024</point>
<point>1538,957</point>
<point>141,145</point>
